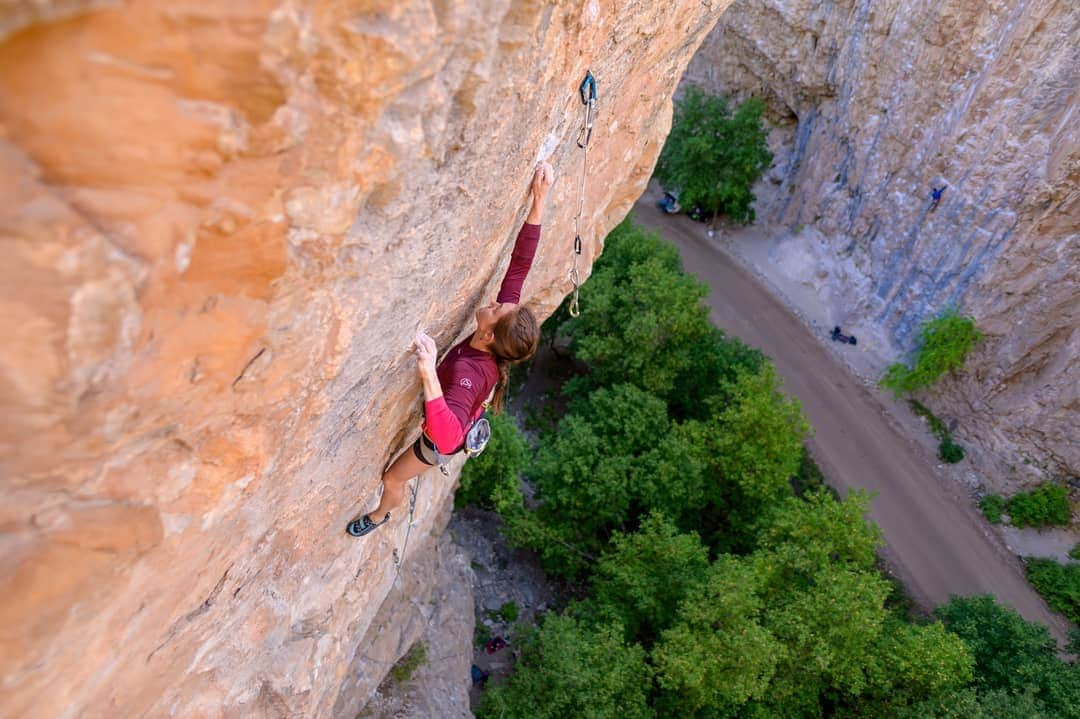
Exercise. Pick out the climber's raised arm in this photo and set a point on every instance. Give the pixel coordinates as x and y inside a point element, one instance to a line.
<point>528,238</point>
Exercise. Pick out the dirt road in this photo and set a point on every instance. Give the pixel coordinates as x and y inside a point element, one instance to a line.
<point>937,543</point>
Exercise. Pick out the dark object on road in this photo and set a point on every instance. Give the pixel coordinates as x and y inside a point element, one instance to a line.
<point>670,204</point>
<point>479,676</point>
<point>838,336</point>
<point>494,644</point>
<point>935,196</point>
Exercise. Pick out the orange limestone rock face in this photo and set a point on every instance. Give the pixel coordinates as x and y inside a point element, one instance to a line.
<point>221,226</point>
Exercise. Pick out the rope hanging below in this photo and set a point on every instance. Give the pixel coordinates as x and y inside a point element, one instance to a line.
<point>587,90</point>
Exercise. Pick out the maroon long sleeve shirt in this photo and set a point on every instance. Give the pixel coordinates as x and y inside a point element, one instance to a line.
<point>467,375</point>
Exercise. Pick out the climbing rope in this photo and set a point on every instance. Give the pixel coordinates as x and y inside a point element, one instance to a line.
<point>399,559</point>
<point>587,90</point>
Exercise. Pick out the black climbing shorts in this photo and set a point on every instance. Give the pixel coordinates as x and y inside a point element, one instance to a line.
<point>424,449</point>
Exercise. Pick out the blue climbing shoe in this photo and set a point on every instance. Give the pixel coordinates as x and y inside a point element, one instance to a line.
<point>365,525</point>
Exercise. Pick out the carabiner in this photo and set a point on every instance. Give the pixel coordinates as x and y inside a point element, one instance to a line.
<point>588,89</point>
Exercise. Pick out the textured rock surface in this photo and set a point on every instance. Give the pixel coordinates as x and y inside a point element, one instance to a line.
<point>222,224</point>
<point>431,602</point>
<point>892,97</point>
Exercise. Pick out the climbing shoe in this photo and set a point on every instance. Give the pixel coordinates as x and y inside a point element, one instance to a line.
<point>365,525</point>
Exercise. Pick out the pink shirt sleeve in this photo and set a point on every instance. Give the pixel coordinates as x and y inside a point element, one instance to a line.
<point>520,262</point>
<point>442,426</point>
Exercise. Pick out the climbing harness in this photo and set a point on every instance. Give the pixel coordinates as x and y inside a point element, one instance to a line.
<point>587,90</point>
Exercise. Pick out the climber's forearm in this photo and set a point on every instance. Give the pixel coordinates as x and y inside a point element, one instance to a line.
<point>536,212</point>
<point>432,389</point>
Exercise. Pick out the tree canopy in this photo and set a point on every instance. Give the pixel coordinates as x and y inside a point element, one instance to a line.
<point>713,156</point>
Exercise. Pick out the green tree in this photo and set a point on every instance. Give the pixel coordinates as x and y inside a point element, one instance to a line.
<point>823,531</point>
<point>613,459</point>
<point>944,343</point>
<point>505,457</point>
<point>642,578</point>
<point>913,663</point>
<point>646,324</point>
<point>717,656</point>
<point>573,670</point>
<point>754,446</point>
<point>645,317</point>
<point>1013,658</point>
<point>713,157</point>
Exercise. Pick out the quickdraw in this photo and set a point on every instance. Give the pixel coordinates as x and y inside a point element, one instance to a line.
<point>587,90</point>
<point>399,559</point>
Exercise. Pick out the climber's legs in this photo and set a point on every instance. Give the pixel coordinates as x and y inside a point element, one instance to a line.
<point>404,468</point>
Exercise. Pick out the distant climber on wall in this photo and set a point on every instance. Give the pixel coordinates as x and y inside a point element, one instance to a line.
<point>456,391</point>
<point>935,196</point>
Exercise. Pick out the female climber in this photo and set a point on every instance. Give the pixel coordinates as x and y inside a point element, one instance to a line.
<point>456,390</point>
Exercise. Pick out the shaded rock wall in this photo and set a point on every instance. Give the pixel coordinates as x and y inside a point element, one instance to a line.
<point>894,97</point>
<point>221,226</point>
<point>431,602</point>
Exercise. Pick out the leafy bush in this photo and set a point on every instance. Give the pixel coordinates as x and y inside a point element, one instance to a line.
<point>647,325</point>
<point>992,506</point>
<point>505,457</point>
<point>1074,553</point>
<point>713,157</point>
<point>569,670</point>
<point>949,451</point>
<point>1017,671</point>
<point>614,458</point>
<point>641,578</point>
<point>1059,584</point>
<point>408,664</point>
<point>508,612</point>
<point>1046,505</point>
<point>944,344</point>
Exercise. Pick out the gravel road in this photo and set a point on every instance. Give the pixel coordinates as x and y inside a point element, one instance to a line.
<point>937,543</point>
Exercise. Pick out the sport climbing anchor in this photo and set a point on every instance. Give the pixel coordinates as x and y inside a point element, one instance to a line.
<point>456,391</point>
<point>935,196</point>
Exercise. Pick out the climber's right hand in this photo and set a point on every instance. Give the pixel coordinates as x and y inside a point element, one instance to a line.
<point>426,354</point>
<point>543,179</point>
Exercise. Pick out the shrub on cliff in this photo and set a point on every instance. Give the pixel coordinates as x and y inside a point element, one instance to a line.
<point>1045,506</point>
<point>1059,584</point>
<point>713,156</point>
<point>944,344</point>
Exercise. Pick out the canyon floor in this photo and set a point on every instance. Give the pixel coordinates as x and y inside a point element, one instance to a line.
<point>937,543</point>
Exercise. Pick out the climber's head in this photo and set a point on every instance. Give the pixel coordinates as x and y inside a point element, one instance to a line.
<point>513,339</point>
<point>489,315</point>
<point>515,335</point>
<point>509,331</point>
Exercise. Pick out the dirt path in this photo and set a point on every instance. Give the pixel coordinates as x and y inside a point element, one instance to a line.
<point>937,543</point>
